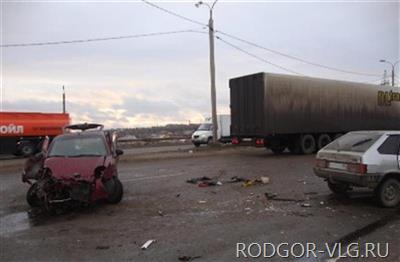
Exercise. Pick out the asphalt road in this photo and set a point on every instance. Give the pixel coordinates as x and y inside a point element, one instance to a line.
<point>187,220</point>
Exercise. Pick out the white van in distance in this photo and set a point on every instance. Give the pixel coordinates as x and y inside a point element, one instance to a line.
<point>204,133</point>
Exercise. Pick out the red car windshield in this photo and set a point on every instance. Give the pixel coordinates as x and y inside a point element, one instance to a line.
<point>78,146</point>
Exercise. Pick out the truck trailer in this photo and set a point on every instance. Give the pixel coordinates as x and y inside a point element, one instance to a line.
<point>21,133</point>
<point>304,114</point>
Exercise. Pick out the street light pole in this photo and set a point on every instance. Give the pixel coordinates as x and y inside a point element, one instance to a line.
<point>63,99</point>
<point>212,70</point>
<point>393,66</point>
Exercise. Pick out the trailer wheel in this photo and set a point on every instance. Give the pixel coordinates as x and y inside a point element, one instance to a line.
<point>28,149</point>
<point>323,140</point>
<point>307,144</point>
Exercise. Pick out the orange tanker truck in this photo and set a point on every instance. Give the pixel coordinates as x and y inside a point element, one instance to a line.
<point>21,133</point>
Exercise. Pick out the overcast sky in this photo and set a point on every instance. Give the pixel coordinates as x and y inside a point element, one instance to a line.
<point>165,79</point>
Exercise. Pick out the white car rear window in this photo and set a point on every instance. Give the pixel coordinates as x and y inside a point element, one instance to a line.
<point>356,142</point>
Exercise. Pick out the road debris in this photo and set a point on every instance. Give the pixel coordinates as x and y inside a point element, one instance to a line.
<point>270,195</point>
<point>306,205</point>
<point>274,196</point>
<point>147,244</point>
<point>188,258</point>
<point>209,183</point>
<point>204,181</point>
<point>264,179</point>
<point>260,180</point>
<point>270,208</point>
<point>202,202</point>
<point>160,213</point>
<point>198,179</point>
<point>236,179</point>
<point>248,183</point>
<point>102,247</point>
<point>203,184</point>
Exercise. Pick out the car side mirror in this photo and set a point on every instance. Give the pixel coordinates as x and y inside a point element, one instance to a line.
<point>119,152</point>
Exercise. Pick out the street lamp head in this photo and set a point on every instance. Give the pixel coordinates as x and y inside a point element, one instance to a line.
<point>198,4</point>
<point>382,60</point>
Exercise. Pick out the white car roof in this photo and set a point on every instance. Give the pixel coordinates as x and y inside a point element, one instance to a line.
<point>379,132</point>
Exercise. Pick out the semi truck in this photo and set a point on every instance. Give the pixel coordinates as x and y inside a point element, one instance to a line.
<point>21,132</point>
<point>304,114</point>
<point>204,133</point>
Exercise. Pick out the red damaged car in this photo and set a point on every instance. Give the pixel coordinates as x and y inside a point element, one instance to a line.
<point>79,167</point>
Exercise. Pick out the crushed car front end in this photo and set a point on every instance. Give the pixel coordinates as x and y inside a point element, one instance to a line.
<point>77,169</point>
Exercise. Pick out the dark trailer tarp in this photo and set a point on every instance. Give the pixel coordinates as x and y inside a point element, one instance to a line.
<point>267,104</point>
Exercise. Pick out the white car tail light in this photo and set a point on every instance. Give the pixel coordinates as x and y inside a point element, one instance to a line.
<point>357,168</point>
<point>321,163</point>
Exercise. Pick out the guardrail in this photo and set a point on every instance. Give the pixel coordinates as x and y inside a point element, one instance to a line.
<point>145,141</point>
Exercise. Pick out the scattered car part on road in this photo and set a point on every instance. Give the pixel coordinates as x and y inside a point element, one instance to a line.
<point>236,179</point>
<point>198,179</point>
<point>260,180</point>
<point>274,197</point>
<point>188,258</point>
<point>147,244</point>
<point>270,196</point>
<point>102,247</point>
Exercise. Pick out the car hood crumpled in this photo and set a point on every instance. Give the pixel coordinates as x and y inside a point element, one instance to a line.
<point>70,167</point>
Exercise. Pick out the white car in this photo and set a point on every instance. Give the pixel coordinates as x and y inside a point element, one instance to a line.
<point>363,159</point>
